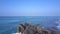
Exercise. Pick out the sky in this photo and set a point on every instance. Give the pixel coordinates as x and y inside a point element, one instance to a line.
<point>29,7</point>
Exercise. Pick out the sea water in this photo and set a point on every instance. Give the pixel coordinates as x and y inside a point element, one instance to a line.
<point>9,24</point>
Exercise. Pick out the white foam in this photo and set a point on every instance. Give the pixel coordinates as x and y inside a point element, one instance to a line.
<point>17,33</point>
<point>58,22</point>
<point>58,27</point>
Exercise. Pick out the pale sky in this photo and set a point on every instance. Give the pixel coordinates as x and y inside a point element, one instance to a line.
<point>30,7</point>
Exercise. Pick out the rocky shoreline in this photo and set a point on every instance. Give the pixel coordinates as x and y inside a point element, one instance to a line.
<point>31,29</point>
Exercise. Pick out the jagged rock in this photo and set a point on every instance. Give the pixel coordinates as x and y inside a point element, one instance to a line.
<point>29,29</point>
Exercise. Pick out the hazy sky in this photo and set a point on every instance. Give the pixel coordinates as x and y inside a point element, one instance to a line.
<point>30,7</point>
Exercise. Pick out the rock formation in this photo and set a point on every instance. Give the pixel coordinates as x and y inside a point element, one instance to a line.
<point>31,29</point>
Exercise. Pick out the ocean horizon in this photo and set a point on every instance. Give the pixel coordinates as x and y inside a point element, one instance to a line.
<point>9,24</point>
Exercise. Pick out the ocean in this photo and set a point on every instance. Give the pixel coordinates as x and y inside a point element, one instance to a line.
<point>9,24</point>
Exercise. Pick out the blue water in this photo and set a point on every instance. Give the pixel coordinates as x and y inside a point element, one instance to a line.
<point>9,24</point>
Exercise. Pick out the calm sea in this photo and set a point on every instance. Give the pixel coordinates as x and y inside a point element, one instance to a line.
<point>9,24</point>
